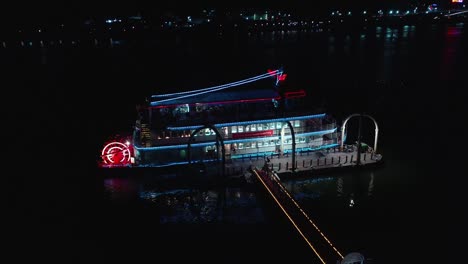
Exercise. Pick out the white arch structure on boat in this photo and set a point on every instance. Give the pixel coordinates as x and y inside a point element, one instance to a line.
<point>343,129</point>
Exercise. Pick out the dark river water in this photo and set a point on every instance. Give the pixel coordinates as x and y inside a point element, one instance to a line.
<point>63,102</point>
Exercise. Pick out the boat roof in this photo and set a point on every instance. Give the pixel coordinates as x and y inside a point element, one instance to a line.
<point>265,90</point>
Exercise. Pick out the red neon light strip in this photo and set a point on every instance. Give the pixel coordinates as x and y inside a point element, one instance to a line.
<point>262,133</point>
<point>272,72</point>
<point>295,94</point>
<point>223,102</point>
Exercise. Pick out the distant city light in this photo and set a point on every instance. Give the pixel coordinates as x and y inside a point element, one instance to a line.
<point>109,21</point>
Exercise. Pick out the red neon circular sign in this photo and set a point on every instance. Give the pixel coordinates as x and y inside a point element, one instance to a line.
<point>116,153</point>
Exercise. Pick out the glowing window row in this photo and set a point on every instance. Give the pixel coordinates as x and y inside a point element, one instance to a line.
<point>260,144</point>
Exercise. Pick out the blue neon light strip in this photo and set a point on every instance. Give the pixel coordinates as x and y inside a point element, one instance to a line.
<point>315,133</point>
<point>288,151</point>
<point>277,78</point>
<point>260,154</point>
<point>317,148</point>
<point>204,144</point>
<point>174,163</point>
<point>284,119</point>
<point>259,77</point>
<point>229,141</point>
<point>204,92</point>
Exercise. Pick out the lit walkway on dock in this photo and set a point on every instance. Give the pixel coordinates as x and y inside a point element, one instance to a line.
<point>323,248</point>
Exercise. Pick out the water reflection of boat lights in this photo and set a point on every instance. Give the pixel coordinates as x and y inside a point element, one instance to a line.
<point>371,184</point>
<point>339,186</point>
<point>149,195</point>
<point>316,180</point>
<point>118,185</point>
<point>304,184</point>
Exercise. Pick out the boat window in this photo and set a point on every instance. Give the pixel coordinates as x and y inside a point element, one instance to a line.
<point>207,132</point>
<point>272,125</point>
<point>182,109</point>
<point>297,123</point>
<point>278,125</point>
<point>260,127</point>
<point>234,146</point>
<point>247,128</point>
<point>199,107</point>
<point>225,131</point>
<point>234,129</point>
<point>241,145</point>
<point>240,129</point>
<point>253,127</point>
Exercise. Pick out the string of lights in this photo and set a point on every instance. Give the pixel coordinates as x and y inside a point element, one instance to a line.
<point>255,78</point>
<point>216,88</point>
